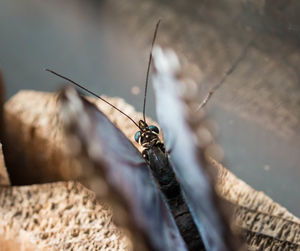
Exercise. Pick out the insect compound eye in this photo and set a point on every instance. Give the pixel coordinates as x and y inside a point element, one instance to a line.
<point>137,136</point>
<point>154,129</point>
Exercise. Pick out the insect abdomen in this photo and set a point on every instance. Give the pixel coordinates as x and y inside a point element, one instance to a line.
<point>168,184</point>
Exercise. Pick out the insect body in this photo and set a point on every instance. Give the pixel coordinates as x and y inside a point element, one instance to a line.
<point>155,155</point>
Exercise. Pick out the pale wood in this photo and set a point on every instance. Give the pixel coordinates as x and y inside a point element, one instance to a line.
<point>57,216</point>
<point>259,214</point>
<point>4,178</point>
<point>33,122</point>
<point>239,192</point>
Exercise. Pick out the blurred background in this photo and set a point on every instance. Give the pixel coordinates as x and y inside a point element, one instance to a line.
<point>105,46</point>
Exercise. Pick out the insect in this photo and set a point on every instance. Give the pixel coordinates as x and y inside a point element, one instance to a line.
<point>156,157</point>
<point>200,222</point>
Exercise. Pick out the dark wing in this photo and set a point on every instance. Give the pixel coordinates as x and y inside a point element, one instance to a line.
<point>190,169</point>
<point>110,158</point>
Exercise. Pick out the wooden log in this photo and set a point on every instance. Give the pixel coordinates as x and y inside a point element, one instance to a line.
<point>35,131</point>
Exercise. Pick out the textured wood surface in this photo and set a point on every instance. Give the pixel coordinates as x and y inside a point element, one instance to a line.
<point>57,216</point>
<point>268,225</point>
<point>34,130</point>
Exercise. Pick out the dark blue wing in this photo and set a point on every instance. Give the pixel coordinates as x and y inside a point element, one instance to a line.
<point>130,183</point>
<point>190,171</point>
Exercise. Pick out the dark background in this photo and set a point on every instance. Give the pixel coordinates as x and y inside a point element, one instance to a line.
<point>105,46</point>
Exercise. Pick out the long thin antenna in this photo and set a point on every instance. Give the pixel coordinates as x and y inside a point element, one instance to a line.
<point>231,69</point>
<point>148,69</point>
<point>92,93</point>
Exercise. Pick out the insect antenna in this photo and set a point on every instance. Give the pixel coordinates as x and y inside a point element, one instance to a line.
<point>92,93</point>
<point>148,69</point>
<point>230,70</point>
